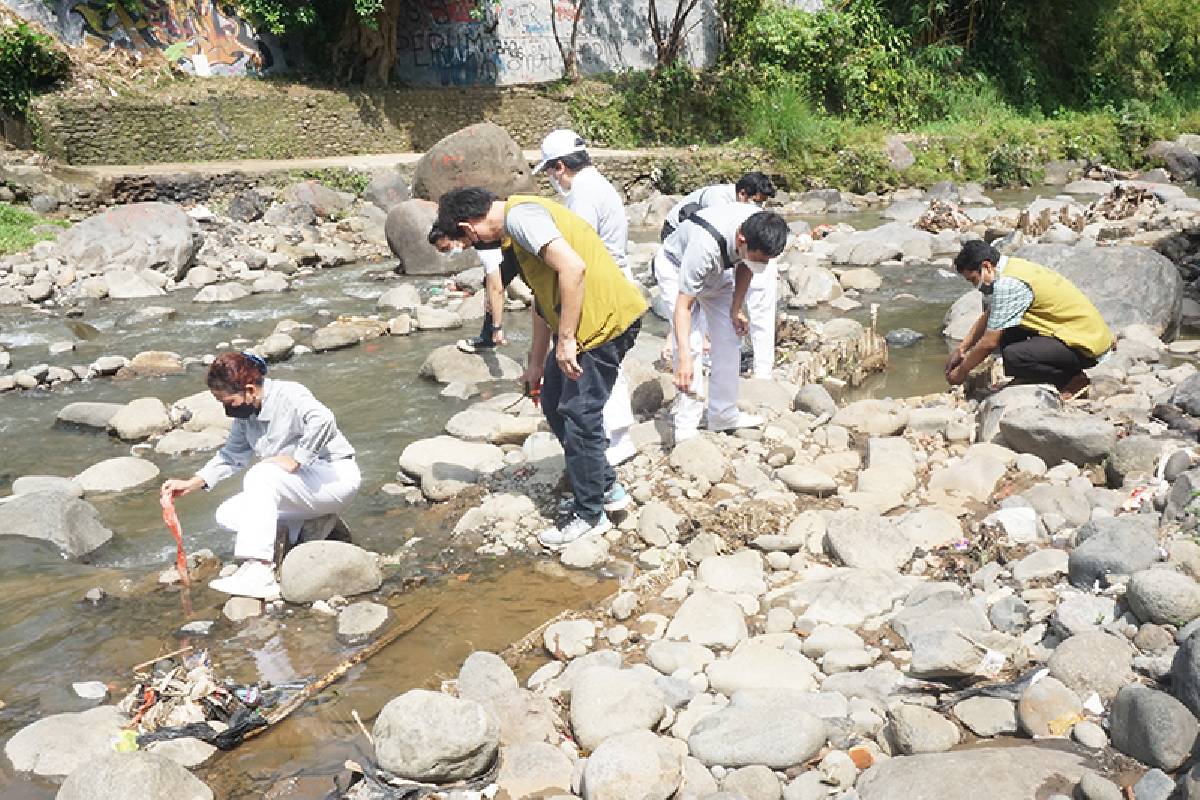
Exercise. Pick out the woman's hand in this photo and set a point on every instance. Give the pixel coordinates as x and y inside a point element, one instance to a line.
<point>178,488</point>
<point>285,463</point>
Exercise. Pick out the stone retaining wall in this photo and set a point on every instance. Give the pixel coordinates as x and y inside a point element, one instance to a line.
<point>243,119</point>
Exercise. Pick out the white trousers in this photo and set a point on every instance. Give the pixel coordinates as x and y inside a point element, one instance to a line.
<point>761,299</point>
<point>710,317</point>
<point>618,418</point>
<point>270,495</point>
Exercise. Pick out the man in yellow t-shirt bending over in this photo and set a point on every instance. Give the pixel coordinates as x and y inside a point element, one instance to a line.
<point>583,305</point>
<point>1046,329</point>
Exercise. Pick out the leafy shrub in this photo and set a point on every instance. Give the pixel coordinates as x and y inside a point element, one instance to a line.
<point>1012,164</point>
<point>30,62</point>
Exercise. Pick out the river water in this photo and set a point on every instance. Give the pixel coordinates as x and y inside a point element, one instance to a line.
<point>50,637</point>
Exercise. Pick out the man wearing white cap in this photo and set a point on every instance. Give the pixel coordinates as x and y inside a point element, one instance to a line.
<point>589,194</point>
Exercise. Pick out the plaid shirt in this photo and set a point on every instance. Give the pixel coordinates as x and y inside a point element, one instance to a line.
<point>1008,302</point>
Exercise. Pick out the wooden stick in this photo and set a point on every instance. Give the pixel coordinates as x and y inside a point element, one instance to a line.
<point>160,658</point>
<point>335,674</point>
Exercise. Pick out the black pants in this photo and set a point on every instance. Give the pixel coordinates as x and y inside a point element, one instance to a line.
<point>575,411</point>
<point>1035,358</point>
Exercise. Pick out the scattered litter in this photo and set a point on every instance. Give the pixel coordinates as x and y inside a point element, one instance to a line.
<point>90,690</point>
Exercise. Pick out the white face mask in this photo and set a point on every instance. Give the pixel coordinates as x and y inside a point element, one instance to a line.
<point>558,187</point>
<point>757,267</point>
<point>455,249</point>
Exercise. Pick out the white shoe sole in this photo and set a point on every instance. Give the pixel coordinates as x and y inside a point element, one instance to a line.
<point>598,530</point>
<point>619,505</point>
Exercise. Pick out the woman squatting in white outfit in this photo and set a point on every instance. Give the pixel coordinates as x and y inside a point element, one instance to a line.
<point>306,468</point>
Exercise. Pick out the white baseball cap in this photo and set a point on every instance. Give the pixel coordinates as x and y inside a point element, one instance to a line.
<point>559,143</point>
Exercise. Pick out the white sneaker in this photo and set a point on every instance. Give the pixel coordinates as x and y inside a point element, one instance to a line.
<point>576,528</point>
<point>742,420</point>
<point>252,579</point>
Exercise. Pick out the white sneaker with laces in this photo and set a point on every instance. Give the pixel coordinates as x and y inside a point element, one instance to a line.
<point>252,579</point>
<point>742,420</point>
<point>576,528</point>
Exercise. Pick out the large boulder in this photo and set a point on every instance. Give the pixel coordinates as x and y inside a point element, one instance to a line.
<point>117,474</point>
<point>120,776</point>
<point>634,764</point>
<point>319,570</point>
<point>478,155</point>
<point>433,737</point>
<point>387,189</point>
<point>157,236</point>
<point>1121,546</point>
<point>607,701</point>
<point>407,231</point>
<point>773,728</point>
<point>1057,436</point>
<point>447,458</point>
<point>56,746</point>
<point>324,202</point>
<point>1129,285</point>
<point>1009,773</point>
<point>1043,397</point>
<point>448,364</point>
<point>1153,727</point>
<point>70,524</point>
<point>140,419</point>
<point>89,415</point>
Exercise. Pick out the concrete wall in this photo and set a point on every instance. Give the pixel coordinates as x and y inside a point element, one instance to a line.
<point>448,42</point>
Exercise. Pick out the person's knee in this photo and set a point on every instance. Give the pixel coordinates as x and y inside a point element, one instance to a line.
<point>262,477</point>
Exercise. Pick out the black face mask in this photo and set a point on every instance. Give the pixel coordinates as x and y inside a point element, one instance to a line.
<point>487,245</point>
<point>987,288</point>
<point>244,411</point>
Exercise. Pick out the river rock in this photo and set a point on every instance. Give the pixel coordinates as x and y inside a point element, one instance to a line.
<point>700,458</point>
<point>816,400</point>
<point>448,364</point>
<point>437,319</point>
<point>1048,708</point>
<point>771,729</point>
<point>276,347</point>
<point>201,412</point>
<point>485,675</point>
<point>240,609</point>
<point>849,596</point>
<point>1010,399</point>
<point>358,623</point>
<point>606,702</point>
<point>805,479</point>
<point>873,417</point>
<point>740,573</point>
<point>760,666</point>
<point>319,570</point>
<point>1123,546</point>
<point>930,528</point>
<point>1152,727</point>
<point>136,236</point>
<point>987,716</point>
<point>140,419</point>
<point>710,619</point>
<point>483,154</point>
<point>634,764</point>
<point>70,524</point>
<point>29,484</point>
<point>658,524</point>
<point>915,730</point>
<point>1133,458</point>
<point>185,751</point>
<point>325,202</point>
<point>867,541</point>
<point>128,284</point>
<point>1093,662</point>
<point>429,736</point>
<point>407,230</point>
<point>117,474</point>
<point>335,336</point>
<point>1057,436</point>
<point>1018,772</point>
<point>121,776</point>
<point>58,745</point>
<point>152,364</point>
<point>447,458</point>
<point>405,297</point>
<point>668,656</point>
<point>1163,596</point>
<point>587,552</point>
<point>530,769</point>
<point>569,638</point>
<point>88,415</point>
<point>812,285</point>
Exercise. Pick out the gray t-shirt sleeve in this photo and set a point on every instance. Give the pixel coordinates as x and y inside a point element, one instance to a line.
<point>531,227</point>
<point>700,260</point>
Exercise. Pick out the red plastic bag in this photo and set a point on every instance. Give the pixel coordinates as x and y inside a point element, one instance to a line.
<point>172,520</point>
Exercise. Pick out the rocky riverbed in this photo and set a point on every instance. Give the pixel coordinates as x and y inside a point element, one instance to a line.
<point>868,598</point>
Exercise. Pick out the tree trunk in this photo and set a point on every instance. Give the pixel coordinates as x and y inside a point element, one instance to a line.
<point>568,51</point>
<point>366,53</point>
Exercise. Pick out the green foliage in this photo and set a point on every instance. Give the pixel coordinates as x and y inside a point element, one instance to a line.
<point>861,169</point>
<point>30,62</point>
<point>280,16</point>
<point>16,229</point>
<point>1147,49</point>
<point>340,180</point>
<point>666,178</point>
<point>1012,163</point>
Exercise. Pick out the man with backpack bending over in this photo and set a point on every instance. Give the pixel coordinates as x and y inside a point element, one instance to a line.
<point>708,263</point>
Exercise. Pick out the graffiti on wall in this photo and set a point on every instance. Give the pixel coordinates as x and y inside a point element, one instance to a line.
<point>199,36</point>
<point>463,43</point>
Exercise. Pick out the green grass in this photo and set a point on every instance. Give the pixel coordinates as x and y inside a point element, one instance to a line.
<point>16,229</point>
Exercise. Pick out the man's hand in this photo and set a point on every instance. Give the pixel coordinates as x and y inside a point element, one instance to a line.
<point>178,488</point>
<point>285,463</point>
<point>957,375</point>
<point>956,358</point>
<point>565,355</point>
<point>532,376</point>
<point>683,373</point>
<point>498,337</point>
<point>741,324</point>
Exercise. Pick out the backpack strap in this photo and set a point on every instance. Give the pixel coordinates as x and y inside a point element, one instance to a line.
<point>726,262</point>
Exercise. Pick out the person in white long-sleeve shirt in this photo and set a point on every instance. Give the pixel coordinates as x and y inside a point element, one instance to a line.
<point>306,468</point>
<point>589,194</point>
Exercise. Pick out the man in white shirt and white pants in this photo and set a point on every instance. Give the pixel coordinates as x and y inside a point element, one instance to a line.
<point>589,194</point>
<point>708,262</point>
<point>762,296</point>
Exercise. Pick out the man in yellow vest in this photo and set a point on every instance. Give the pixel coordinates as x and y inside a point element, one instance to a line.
<point>1047,330</point>
<point>584,306</point>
